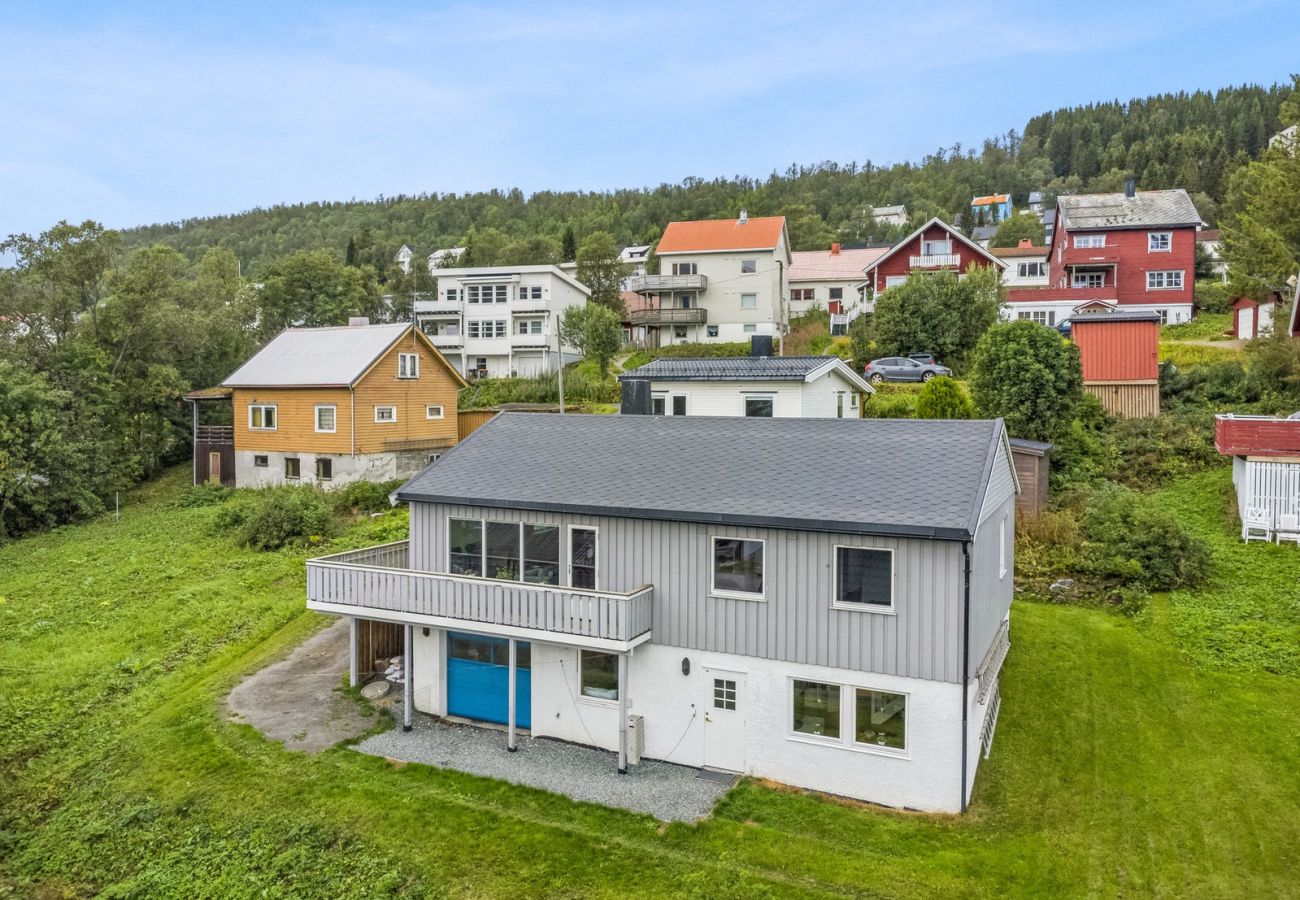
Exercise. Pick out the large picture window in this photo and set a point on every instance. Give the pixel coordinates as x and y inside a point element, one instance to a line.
<point>509,551</point>
<point>542,554</point>
<point>864,578</point>
<point>598,674</point>
<point>738,566</point>
<point>816,709</point>
<point>465,546</point>
<point>502,550</point>
<point>880,719</point>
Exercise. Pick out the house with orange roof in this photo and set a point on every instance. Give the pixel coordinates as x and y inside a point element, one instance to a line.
<point>990,209</point>
<point>718,280</point>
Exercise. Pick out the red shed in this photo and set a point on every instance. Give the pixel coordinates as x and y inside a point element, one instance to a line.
<point>934,247</point>
<point>1119,352</point>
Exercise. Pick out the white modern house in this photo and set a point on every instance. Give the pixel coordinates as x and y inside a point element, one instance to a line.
<point>501,320</point>
<point>841,635</point>
<point>809,387</point>
<point>833,280</point>
<point>720,280</point>
<point>1026,264</point>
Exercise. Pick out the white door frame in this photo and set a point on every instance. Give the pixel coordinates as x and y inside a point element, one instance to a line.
<point>724,730</point>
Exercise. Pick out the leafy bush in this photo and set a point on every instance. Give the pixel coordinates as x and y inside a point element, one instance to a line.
<point>892,401</point>
<point>1212,296</point>
<point>1131,543</point>
<point>1217,385</point>
<point>939,313</point>
<point>205,494</point>
<point>1029,375</point>
<point>276,518</point>
<point>944,398</point>
<point>1187,355</point>
<point>1149,452</point>
<point>364,496</point>
<point>581,385</point>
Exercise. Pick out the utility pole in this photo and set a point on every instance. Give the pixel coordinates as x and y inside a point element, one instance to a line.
<point>559,355</point>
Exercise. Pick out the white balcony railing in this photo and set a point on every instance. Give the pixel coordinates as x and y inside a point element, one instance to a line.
<point>935,261</point>
<point>656,283</point>
<point>447,340</point>
<point>378,579</point>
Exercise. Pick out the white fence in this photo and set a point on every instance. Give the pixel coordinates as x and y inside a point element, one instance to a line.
<point>1273,486</point>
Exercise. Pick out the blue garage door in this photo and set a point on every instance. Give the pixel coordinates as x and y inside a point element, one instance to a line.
<point>478,679</point>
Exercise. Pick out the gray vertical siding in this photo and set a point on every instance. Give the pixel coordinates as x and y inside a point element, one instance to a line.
<point>795,623</point>
<point>990,593</point>
<point>1001,484</point>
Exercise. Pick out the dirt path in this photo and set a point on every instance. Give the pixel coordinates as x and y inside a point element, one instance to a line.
<point>296,701</point>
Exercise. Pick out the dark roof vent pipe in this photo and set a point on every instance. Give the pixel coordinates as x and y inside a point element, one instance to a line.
<point>634,399</point>
<point>1130,188</point>
<point>760,345</point>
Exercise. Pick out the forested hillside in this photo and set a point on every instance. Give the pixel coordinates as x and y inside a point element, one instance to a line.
<point>1173,140</point>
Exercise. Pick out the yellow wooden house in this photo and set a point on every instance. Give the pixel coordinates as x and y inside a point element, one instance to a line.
<point>331,405</point>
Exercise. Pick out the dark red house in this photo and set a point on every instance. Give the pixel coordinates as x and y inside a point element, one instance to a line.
<point>1133,249</point>
<point>934,247</point>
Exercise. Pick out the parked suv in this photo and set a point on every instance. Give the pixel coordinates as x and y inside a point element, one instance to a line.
<point>902,368</point>
<point>924,358</point>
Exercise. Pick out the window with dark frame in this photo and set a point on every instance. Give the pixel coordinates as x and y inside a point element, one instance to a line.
<point>261,461</point>
<point>582,558</point>
<point>738,566</point>
<point>292,468</point>
<point>758,407</point>
<point>507,551</point>
<point>324,469</point>
<point>748,266</point>
<point>864,577</point>
<point>679,405</point>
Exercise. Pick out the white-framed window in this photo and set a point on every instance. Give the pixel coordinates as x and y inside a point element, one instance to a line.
<point>262,417</point>
<point>292,468</point>
<point>679,331</point>
<point>749,301</point>
<point>507,551</point>
<point>1164,316</point>
<point>802,295</point>
<point>1035,269</point>
<point>1170,280</point>
<point>738,567</point>
<point>408,365</point>
<point>501,328</point>
<point>1160,241</point>
<point>750,328</point>
<point>598,675</point>
<point>724,693</point>
<point>434,411</point>
<point>1002,547</point>
<point>659,404</point>
<point>1089,241</point>
<point>530,292</point>
<point>864,579</point>
<point>839,404</point>
<point>837,293</point>
<point>851,716</point>
<point>326,418</point>
<point>711,330</point>
<point>679,404</point>
<point>685,268</point>
<point>385,414</point>
<point>472,328</point>
<point>939,247</point>
<point>748,266</point>
<point>452,295</point>
<point>894,281</point>
<point>324,468</point>
<point>432,458</point>
<point>1089,279</point>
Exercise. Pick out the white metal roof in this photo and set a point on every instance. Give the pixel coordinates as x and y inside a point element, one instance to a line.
<point>317,357</point>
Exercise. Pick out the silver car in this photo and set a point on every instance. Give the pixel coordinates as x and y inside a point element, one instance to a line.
<point>901,368</point>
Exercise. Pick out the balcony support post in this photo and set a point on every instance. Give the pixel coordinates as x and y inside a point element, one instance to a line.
<point>510,717</point>
<point>622,714</point>
<point>353,676</point>
<point>407,687</point>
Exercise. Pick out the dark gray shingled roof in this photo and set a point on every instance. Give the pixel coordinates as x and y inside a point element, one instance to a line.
<point>1118,315</point>
<point>730,368</point>
<point>921,478</point>
<point>1082,212</point>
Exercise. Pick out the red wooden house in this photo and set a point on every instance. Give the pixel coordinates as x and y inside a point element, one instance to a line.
<point>1133,249</point>
<point>934,247</point>
<point>1119,352</point>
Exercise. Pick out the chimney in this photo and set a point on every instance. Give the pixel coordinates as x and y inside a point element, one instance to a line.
<point>744,217</point>
<point>1025,243</point>
<point>760,345</point>
<point>1130,188</point>
<point>358,321</point>
<point>835,249</point>
<point>634,398</point>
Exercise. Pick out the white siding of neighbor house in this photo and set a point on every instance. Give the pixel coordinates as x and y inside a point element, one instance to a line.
<point>795,623</point>
<point>822,294</point>
<point>791,399</point>
<point>926,776</point>
<point>721,299</point>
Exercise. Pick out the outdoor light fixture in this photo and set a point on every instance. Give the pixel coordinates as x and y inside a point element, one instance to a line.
<point>424,631</point>
<point>686,665</point>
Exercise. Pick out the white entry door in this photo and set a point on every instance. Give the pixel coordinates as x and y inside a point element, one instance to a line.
<point>724,720</point>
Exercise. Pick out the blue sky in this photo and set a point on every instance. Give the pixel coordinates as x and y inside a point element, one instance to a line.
<point>142,112</point>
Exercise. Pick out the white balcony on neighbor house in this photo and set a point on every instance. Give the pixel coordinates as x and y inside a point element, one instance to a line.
<point>532,340</point>
<point>447,340</point>
<point>653,284</point>
<point>438,307</point>
<point>377,583</point>
<point>532,304</point>
<point>935,261</point>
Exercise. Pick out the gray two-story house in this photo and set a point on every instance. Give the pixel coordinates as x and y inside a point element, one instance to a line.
<point>695,589</point>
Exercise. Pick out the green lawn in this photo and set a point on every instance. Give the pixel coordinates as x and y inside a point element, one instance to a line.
<point>1132,758</point>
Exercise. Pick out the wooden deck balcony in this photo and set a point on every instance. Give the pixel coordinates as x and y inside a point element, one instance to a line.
<point>216,435</point>
<point>653,284</point>
<point>668,316</point>
<point>377,583</point>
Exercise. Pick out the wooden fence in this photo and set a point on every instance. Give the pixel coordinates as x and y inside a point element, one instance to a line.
<point>469,421</point>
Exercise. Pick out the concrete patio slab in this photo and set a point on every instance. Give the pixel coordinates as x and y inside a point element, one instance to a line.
<point>666,791</point>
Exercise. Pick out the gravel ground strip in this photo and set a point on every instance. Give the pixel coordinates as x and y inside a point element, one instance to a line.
<point>668,792</point>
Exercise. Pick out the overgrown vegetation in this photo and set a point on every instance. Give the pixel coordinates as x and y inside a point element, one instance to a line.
<point>582,385</point>
<point>937,313</point>
<point>944,398</point>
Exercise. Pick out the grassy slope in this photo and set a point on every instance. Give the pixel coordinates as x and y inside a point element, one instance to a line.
<point>1127,759</point>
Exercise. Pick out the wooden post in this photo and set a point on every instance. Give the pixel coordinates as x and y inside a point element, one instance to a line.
<point>510,718</point>
<point>194,439</point>
<point>353,639</point>
<point>622,714</point>
<point>408,687</point>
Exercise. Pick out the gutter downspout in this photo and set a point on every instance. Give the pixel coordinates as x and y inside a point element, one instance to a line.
<point>965,665</point>
<point>352,396</point>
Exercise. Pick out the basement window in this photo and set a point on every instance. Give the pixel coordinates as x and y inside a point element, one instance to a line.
<point>292,468</point>
<point>816,709</point>
<point>881,719</point>
<point>261,461</point>
<point>324,469</point>
<point>598,674</point>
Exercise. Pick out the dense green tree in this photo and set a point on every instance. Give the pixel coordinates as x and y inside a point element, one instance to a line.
<point>1019,226</point>
<point>944,398</point>
<point>569,244</point>
<point>65,272</point>
<point>1029,375</point>
<point>595,331</point>
<point>350,255</point>
<point>600,270</point>
<point>537,250</point>
<point>807,229</point>
<point>936,312</point>
<point>313,288</point>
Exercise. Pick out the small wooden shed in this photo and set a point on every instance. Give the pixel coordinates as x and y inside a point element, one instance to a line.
<point>1120,355</point>
<point>1032,462</point>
